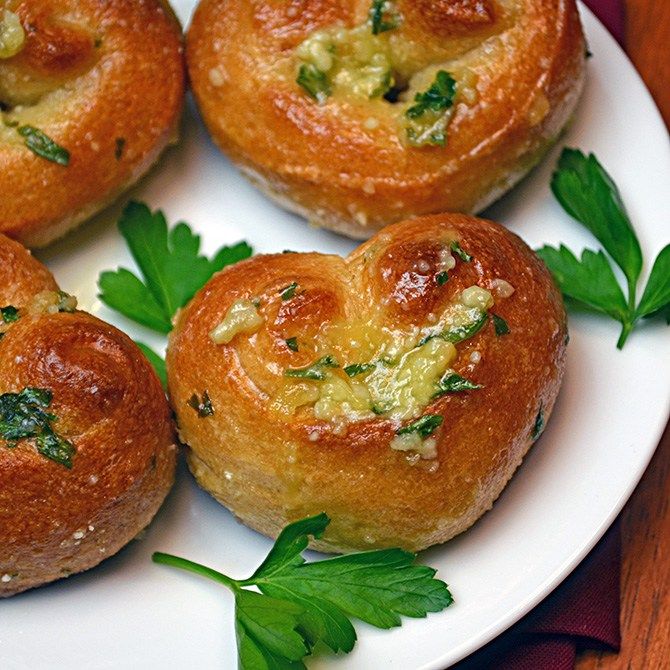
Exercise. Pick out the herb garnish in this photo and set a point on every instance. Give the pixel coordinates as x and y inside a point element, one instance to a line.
<point>429,111</point>
<point>288,292</point>
<point>500,325</point>
<point>424,426</point>
<point>314,81</point>
<point>9,314</point>
<point>119,146</point>
<point>156,361</point>
<point>358,369</point>
<point>170,264</point>
<point>202,407</point>
<point>313,371</point>
<point>301,604</point>
<point>292,343</point>
<point>23,416</point>
<point>460,252</point>
<point>442,278</point>
<point>43,146</point>
<point>460,333</point>
<point>586,192</point>
<point>457,334</point>
<point>383,16</point>
<point>454,383</point>
<point>538,426</point>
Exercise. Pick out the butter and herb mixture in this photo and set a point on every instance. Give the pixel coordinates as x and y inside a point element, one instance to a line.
<point>24,416</point>
<point>389,373</point>
<point>12,41</point>
<point>369,61</point>
<point>12,35</point>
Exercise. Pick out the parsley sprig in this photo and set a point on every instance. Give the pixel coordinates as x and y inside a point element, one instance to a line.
<point>170,263</point>
<point>301,604</point>
<point>588,193</point>
<point>172,270</point>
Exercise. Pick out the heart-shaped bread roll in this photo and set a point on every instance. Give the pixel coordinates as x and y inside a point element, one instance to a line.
<point>87,446</point>
<point>359,113</point>
<point>90,95</point>
<point>397,390</point>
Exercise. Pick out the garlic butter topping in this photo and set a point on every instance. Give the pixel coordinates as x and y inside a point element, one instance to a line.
<point>241,317</point>
<point>12,35</point>
<point>390,373</point>
<point>367,364</point>
<point>375,61</point>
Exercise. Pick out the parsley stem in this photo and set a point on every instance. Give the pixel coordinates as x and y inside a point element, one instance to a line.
<point>190,566</point>
<point>625,332</point>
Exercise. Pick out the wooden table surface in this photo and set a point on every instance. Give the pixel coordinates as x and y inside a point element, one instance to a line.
<point>645,521</point>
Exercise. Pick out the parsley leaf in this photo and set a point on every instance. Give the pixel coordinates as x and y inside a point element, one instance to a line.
<point>453,383</point>
<point>656,296</point>
<point>43,146</point>
<point>460,252</point>
<point>292,343</point>
<point>156,361</point>
<point>9,314</point>
<point>538,425</point>
<point>590,280</point>
<point>588,194</point>
<point>314,81</point>
<point>424,426</point>
<point>119,146</point>
<point>442,278</point>
<point>23,416</point>
<point>427,119</point>
<point>267,632</point>
<point>459,333</point>
<point>203,407</point>
<point>383,16</point>
<point>300,603</point>
<point>313,371</point>
<point>438,97</point>
<point>288,291</point>
<point>171,266</point>
<point>500,325</point>
<point>358,369</point>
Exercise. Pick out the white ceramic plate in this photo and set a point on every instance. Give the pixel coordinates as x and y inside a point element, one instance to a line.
<point>129,613</point>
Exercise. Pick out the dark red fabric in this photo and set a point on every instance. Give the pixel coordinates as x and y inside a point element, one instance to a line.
<point>583,612</point>
<point>611,13</point>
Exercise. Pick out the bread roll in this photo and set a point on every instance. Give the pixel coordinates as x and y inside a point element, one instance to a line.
<point>396,390</point>
<point>322,114</point>
<point>90,95</point>
<point>93,459</point>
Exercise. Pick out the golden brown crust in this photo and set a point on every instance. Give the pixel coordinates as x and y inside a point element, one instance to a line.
<point>108,402</point>
<point>326,162</point>
<point>270,468</point>
<point>103,80</point>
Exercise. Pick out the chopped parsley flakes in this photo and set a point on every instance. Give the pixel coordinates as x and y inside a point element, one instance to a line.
<point>43,146</point>
<point>314,371</point>
<point>425,426</point>
<point>203,407</point>
<point>314,82</point>
<point>23,416</point>
<point>383,16</point>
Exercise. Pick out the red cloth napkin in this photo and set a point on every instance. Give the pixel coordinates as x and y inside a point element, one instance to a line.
<point>583,612</point>
<point>611,13</point>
